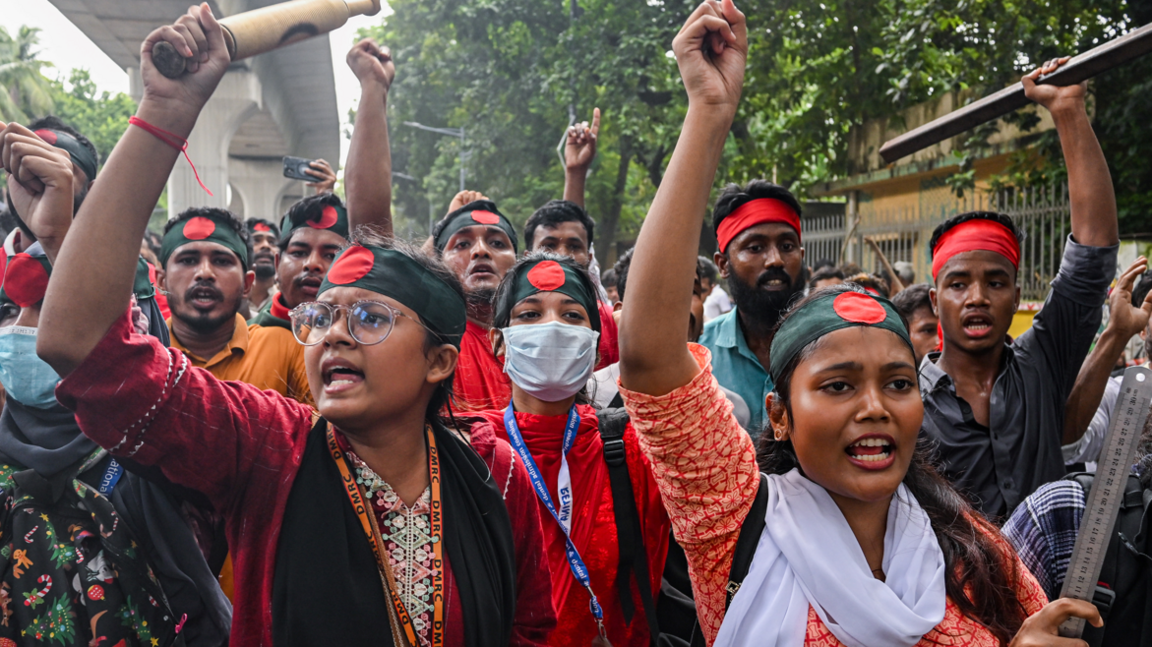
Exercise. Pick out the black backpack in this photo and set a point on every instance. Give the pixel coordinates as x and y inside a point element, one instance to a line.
<point>671,619</point>
<point>1126,572</point>
<point>70,570</point>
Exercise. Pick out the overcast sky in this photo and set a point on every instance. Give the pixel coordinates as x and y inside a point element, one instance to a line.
<point>64,44</point>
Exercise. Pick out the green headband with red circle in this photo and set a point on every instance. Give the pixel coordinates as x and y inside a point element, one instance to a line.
<point>480,212</point>
<point>210,227</point>
<point>827,313</point>
<point>395,275</point>
<point>548,275</point>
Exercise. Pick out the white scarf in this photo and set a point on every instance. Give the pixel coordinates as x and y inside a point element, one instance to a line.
<point>807,555</point>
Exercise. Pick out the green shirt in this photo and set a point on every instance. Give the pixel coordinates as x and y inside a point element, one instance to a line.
<point>736,367</point>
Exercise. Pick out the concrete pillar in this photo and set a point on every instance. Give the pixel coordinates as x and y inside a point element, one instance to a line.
<point>260,183</point>
<point>236,99</point>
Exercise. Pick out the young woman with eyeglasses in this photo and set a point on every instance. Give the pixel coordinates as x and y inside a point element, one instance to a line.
<point>365,521</point>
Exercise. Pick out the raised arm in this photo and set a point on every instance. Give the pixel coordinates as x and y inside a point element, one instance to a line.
<point>88,292</point>
<point>711,50</point>
<point>579,151</point>
<point>368,173</point>
<point>39,185</point>
<point>1124,321</point>
<point>1093,201</point>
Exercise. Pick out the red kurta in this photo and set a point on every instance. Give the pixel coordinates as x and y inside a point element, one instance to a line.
<point>593,525</point>
<point>242,448</point>
<point>609,337</point>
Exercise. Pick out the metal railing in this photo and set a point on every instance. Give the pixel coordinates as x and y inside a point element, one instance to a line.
<point>902,234</point>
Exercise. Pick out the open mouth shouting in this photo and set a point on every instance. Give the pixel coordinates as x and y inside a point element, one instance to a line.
<point>309,285</point>
<point>976,325</point>
<point>340,375</point>
<point>203,297</point>
<point>872,452</point>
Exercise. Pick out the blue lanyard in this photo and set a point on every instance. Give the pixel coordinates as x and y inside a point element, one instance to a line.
<point>111,477</point>
<point>575,562</point>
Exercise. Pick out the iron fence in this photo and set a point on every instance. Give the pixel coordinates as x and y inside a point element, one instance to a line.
<point>902,234</point>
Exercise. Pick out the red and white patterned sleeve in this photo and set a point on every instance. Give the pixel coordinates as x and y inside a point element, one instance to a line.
<point>705,467</point>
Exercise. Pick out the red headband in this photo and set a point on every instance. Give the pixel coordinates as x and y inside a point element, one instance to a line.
<point>980,234</point>
<point>756,212</point>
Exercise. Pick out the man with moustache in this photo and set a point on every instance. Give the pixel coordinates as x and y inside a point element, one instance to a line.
<point>758,230</point>
<point>265,237</point>
<point>315,229</point>
<point>478,244</point>
<point>205,272</point>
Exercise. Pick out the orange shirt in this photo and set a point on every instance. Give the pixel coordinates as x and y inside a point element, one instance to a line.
<point>266,357</point>
<point>705,467</point>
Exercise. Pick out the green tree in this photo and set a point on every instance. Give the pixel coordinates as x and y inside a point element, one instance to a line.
<point>102,117</point>
<point>24,90</point>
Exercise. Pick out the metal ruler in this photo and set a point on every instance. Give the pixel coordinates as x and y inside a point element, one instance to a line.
<point>1103,504</point>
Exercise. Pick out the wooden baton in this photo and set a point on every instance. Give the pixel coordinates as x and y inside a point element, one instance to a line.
<point>268,28</point>
<point>1099,59</point>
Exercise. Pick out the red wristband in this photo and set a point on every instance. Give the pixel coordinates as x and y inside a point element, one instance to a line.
<point>173,140</point>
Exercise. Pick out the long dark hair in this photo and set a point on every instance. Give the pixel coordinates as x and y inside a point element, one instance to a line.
<point>980,567</point>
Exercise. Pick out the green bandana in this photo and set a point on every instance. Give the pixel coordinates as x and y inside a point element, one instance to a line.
<point>330,217</point>
<point>142,287</point>
<point>547,275</point>
<point>80,155</point>
<point>394,275</point>
<point>210,228</point>
<point>480,212</point>
<point>828,313</point>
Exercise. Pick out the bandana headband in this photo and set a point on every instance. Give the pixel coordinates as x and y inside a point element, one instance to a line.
<point>80,155</point>
<point>546,275</point>
<point>210,228</point>
<point>330,217</point>
<point>829,313</point>
<point>26,277</point>
<point>755,212</point>
<point>480,212</point>
<point>980,234</point>
<point>388,272</point>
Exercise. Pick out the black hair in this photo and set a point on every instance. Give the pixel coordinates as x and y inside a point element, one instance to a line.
<point>1141,289</point>
<point>608,278</point>
<point>252,222</point>
<point>734,196</point>
<point>621,267</point>
<point>823,274</point>
<point>707,269</point>
<point>306,209</point>
<point>869,281</point>
<point>980,569</point>
<point>555,212</point>
<point>223,215</point>
<point>948,224</point>
<point>911,299</point>
<point>821,264</point>
<point>369,236</point>
<point>52,122</point>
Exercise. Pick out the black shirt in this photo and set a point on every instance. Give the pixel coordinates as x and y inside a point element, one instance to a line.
<point>999,465</point>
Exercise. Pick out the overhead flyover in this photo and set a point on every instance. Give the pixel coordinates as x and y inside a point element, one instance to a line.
<point>272,105</point>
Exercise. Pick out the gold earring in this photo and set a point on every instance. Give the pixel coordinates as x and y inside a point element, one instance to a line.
<point>777,435</point>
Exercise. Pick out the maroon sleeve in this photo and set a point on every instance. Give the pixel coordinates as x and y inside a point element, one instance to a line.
<point>609,337</point>
<point>535,617</point>
<point>144,401</point>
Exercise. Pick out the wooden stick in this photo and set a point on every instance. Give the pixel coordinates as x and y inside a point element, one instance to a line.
<point>268,28</point>
<point>1099,59</point>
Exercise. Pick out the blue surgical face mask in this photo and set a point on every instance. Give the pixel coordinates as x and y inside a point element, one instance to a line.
<point>28,379</point>
<point>551,361</point>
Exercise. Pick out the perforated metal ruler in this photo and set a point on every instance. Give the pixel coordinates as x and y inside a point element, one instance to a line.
<point>1103,504</point>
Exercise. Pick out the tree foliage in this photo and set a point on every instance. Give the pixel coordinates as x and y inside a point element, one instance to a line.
<point>24,90</point>
<point>507,71</point>
<point>102,117</point>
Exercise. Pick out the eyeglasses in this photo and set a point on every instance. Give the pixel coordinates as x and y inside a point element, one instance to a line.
<point>369,322</point>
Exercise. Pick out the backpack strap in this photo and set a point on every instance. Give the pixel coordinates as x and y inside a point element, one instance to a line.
<point>633,553</point>
<point>750,532</point>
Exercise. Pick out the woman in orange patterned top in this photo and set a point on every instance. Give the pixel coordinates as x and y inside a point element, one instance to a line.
<point>861,543</point>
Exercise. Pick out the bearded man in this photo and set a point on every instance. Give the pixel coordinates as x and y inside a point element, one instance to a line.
<point>758,230</point>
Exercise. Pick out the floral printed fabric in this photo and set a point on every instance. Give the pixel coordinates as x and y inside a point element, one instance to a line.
<point>406,532</point>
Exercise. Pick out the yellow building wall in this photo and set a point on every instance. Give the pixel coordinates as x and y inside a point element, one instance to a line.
<point>1021,322</point>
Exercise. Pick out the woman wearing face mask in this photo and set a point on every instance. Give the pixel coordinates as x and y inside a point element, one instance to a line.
<point>364,522</point>
<point>37,433</point>
<point>543,330</point>
<point>859,541</point>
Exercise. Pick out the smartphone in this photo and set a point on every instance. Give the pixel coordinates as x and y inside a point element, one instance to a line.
<point>294,168</point>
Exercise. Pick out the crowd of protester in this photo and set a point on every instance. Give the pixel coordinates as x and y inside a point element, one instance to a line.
<point>300,430</point>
